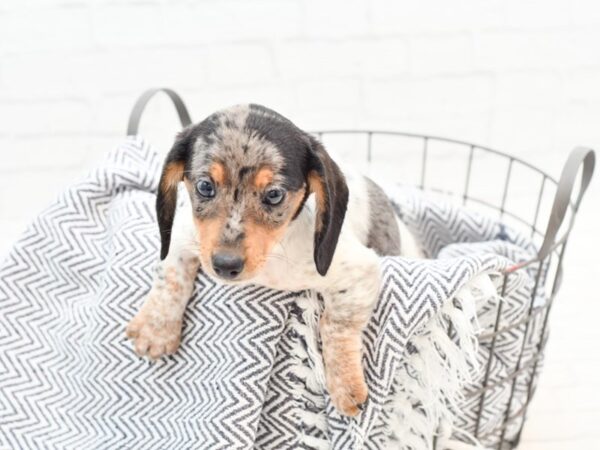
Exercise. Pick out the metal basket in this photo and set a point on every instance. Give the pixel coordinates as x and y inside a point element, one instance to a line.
<point>415,158</point>
<point>549,193</point>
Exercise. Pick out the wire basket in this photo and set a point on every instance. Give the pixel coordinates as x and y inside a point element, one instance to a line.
<point>521,195</point>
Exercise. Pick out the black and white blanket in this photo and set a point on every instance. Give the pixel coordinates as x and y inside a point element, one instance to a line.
<point>248,372</point>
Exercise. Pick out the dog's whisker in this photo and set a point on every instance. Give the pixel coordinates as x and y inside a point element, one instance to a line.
<point>279,258</point>
<point>285,252</point>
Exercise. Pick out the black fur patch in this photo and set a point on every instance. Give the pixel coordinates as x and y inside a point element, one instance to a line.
<point>244,171</point>
<point>291,142</point>
<point>384,236</point>
<point>302,203</point>
<point>333,212</point>
<point>166,199</point>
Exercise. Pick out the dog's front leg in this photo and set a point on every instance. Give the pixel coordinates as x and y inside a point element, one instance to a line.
<point>156,328</point>
<point>348,308</point>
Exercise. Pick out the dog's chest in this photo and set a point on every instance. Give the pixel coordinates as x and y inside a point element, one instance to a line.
<point>291,266</point>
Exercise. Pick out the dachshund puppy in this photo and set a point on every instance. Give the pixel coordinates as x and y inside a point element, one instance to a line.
<point>268,205</point>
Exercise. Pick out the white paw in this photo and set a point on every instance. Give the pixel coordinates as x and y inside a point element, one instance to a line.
<point>155,334</point>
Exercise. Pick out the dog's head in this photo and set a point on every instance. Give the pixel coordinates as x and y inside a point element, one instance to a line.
<point>249,171</point>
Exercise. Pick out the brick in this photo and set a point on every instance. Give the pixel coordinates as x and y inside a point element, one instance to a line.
<point>124,72</point>
<point>333,95</point>
<point>327,104</point>
<point>111,112</point>
<point>578,125</point>
<point>22,70</point>
<point>392,17</point>
<point>584,12</point>
<point>441,54</point>
<point>538,14</point>
<point>302,60</point>
<point>19,5</point>
<point>430,95</point>
<point>92,74</point>
<point>118,25</point>
<point>279,97</point>
<point>231,21</point>
<point>536,129</point>
<point>529,88</point>
<point>318,59</point>
<point>42,152</point>
<point>582,84</point>
<point>501,50</point>
<point>45,29</point>
<point>159,123</point>
<point>35,189</point>
<point>263,19</point>
<point>583,47</point>
<point>336,18</point>
<point>384,58</point>
<point>58,153</point>
<point>239,64</point>
<point>45,117</point>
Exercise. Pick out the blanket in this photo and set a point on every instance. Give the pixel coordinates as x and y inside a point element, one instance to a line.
<point>248,373</point>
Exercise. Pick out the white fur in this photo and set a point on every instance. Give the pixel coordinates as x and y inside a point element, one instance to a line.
<point>409,246</point>
<point>290,266</point>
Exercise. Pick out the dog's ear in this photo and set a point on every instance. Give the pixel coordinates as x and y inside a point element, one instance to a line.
<point>327,182</point>
<point>166,200</point>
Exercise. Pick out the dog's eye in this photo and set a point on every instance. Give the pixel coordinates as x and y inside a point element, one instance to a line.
<point>273,197</point>
<point>206,188</point>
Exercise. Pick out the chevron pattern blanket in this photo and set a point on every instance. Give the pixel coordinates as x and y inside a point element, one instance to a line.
<point>249,372</point>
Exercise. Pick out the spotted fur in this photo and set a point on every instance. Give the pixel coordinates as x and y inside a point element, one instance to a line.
<point>326,234</point>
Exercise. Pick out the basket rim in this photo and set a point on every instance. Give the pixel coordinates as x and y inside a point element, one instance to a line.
<point>435,138</point>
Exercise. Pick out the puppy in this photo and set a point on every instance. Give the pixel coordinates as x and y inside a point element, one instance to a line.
<point>268,205</point>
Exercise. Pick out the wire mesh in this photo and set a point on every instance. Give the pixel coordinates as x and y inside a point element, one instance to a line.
<point>518,192</point>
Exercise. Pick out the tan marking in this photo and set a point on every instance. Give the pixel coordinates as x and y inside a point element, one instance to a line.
<point>343,368</point>
<point>296,199</point>
<point>258,243</point>
<point>217,173</point>
<point>173,174</point>
<point>263,178</point>
<point>315,184</point>
<point>209,231</point>
<point>260,239</point>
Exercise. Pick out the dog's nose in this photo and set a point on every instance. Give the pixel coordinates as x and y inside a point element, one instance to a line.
<point>227,265</point>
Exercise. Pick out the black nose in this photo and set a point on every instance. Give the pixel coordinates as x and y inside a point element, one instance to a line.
<point>227,265</point>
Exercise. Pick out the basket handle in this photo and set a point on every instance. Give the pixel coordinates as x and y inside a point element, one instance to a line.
<point>578,157</point>
<point>140,105</point>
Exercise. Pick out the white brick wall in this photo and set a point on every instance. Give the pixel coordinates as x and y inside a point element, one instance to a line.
<point>520,75</point>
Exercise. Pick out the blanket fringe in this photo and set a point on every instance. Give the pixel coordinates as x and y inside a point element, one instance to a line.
<point>307,368</point>
<point>441,360</point>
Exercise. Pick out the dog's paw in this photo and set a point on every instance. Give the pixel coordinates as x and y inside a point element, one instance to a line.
<point>348,394</point>
<point>154,335</point>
